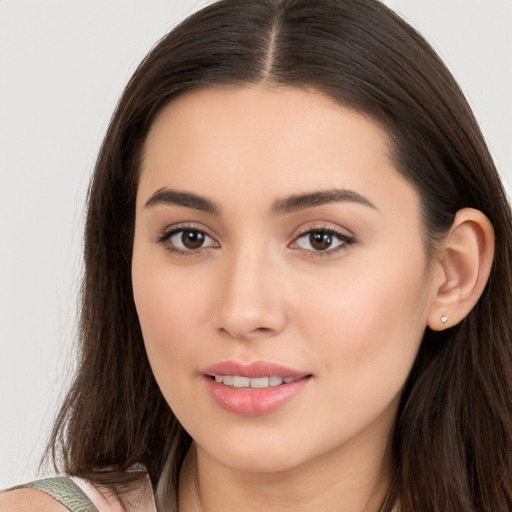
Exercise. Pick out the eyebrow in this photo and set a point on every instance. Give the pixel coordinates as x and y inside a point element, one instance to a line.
<point>302,201</point>
<point>168,196</point>
<point>283,206</point>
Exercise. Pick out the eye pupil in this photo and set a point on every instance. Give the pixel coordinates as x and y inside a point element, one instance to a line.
<point>320,240</point>
<point>192,239</point>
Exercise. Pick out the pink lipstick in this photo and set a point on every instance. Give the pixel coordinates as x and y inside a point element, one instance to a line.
<point>253,389</point>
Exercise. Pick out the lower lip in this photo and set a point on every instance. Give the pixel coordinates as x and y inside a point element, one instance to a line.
<point>254,402</point>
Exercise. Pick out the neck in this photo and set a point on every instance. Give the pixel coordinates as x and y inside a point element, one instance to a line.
<point>354,480</point>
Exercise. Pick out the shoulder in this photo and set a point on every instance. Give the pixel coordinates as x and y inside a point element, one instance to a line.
<point>29,500</point>
<point>62,494</point>
<point>57,494</point>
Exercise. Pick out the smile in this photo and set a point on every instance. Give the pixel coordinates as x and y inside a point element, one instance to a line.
<point>253,389</point>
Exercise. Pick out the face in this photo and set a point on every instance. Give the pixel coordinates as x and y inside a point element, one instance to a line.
<point>279,274</point>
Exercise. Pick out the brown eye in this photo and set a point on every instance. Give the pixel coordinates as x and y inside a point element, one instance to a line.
<point>323,241</point>
<point>320,240</point>
<point>187,240</point>
<point>192,239</point>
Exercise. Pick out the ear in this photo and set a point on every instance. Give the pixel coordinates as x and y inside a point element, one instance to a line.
<point>462,268</point>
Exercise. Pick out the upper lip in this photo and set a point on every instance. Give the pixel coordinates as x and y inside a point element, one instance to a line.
<point>253,370</point>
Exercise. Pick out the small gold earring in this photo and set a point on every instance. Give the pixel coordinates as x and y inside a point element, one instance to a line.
<point>444,319</point>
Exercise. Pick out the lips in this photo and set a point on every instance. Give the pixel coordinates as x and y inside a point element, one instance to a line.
<point>254,389</point>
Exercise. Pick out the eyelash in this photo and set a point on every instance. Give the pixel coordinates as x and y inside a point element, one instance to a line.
<point>345,241</point>
<point>166,236</point>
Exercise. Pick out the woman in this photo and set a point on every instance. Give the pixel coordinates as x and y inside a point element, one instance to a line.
<point>298,289</point>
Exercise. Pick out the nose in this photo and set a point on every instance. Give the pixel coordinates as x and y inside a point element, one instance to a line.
<point>250,298</point>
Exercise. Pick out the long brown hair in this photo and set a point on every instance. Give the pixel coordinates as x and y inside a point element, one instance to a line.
<point>452,443</point>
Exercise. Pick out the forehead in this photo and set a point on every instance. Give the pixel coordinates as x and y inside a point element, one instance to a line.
<point>276,141</point>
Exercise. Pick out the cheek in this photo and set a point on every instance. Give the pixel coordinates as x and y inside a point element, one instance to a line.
<point>366,325</point>
<point>171,312</point>
<point>163,312</point>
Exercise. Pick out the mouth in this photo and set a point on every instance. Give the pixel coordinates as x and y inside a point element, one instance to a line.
<point>254,389</point>
<point>238,381</point>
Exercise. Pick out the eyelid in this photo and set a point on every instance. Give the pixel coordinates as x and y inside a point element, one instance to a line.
<point>323,226</point>
<point>345,236</point>
<point>181,226</point>
<point>166,234</point>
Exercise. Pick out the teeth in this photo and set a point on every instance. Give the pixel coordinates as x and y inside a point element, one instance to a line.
<point>275,381</point>
<point>241,382</point>
<point>256,382</point>
<point>228,380</point>
<point>260,382</point>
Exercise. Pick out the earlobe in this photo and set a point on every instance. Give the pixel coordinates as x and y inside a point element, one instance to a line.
<point>462,269</point>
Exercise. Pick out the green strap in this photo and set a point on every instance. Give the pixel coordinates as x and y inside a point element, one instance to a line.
<point>67,492</point>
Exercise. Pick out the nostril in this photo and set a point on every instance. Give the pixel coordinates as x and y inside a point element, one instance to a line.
<point>248,334</point>
<point>263,330</point>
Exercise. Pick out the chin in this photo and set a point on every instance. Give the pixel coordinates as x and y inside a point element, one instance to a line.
<point>269,456</point>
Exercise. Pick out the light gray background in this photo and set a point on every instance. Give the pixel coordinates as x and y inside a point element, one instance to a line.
<point>63,65</point>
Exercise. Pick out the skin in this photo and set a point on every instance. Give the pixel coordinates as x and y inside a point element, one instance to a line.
<point>351,316</point>
<point>350,313</point>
